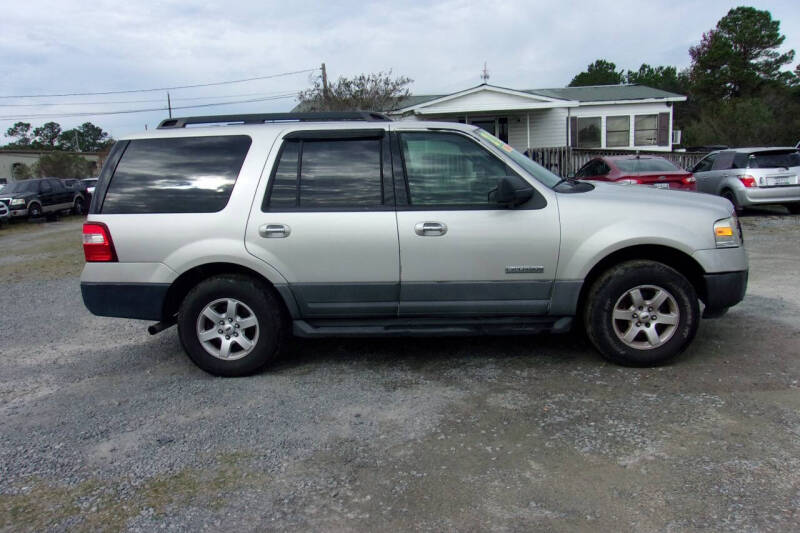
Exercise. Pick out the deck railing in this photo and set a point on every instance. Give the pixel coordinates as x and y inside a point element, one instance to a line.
<point>564,160</point>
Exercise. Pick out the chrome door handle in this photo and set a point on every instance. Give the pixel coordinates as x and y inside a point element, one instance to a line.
<point>274,231</point>
<point>430,229</point>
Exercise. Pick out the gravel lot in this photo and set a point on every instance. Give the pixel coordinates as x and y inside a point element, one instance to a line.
<point>105,427</point>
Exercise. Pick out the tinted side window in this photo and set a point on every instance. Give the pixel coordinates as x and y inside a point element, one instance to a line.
<point>724,161</point>
<point>705,164</point>
<point>176,175</point>
<point>44,186</point>
<point>446,169</point>
<point>334,173</point>
<point>341,174</point>
<point>58,186</point>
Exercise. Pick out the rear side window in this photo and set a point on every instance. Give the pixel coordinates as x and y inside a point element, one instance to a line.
<point>321,174</point>
<point>176,175</point>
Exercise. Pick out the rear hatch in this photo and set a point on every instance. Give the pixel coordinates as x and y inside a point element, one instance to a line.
<point>770,168</point>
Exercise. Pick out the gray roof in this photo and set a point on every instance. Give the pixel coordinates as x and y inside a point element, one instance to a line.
<point>602,93</point>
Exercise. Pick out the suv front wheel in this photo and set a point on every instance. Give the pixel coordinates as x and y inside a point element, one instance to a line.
<point>231,325</point>
<point>641,313</point>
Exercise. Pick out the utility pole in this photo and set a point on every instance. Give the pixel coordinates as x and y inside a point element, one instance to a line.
<point>169,106</point>
<point>324,84</point>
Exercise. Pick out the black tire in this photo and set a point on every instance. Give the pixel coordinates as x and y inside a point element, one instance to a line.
<point>611,288</point>
<point>794,208</point>
<point>34,210</point>
<point>265,306</point>
<point>78,206</point>
<point>728,195</point>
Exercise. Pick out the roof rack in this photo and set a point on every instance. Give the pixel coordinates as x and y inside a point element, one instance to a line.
<point>260,118</point>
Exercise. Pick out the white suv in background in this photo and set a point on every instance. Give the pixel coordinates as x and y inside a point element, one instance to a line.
<point>349,224</point>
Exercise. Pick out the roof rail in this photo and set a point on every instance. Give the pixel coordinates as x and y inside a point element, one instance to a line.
<point>260,118</point>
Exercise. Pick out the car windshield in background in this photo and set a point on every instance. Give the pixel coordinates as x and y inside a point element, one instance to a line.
<point>645,165</point>
<point>20,186</point>
<point>534,169</point>
<point>784,159</point>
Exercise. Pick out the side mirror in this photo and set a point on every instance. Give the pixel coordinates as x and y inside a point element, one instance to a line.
<point>511,191</point>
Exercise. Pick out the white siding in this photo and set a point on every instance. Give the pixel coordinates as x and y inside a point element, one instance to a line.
<point>549,128</point>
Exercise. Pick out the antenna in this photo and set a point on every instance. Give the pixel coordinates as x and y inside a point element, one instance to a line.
<point>485,73</point>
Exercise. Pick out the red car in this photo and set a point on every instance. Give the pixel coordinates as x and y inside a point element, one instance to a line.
<point>638,170</point>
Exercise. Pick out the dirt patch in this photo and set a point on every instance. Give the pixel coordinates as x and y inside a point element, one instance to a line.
<point>41,250</point>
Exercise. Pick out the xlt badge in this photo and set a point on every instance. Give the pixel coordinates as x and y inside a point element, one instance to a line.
<point>524,269</point>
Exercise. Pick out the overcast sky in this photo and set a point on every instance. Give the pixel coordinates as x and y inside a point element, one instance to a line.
<point>68,46</point>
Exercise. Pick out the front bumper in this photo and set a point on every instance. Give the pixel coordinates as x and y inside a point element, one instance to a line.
<point>18,212</point>
<point>723,290</point>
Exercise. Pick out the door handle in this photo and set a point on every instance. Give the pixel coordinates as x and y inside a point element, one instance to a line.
<point>274,231</point>
<point>430,229</point>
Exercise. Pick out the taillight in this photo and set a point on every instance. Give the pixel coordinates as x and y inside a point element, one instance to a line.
<point>97,244</point>
<point>629,181</point>
<point>748,181</point>
<point>689,179</point>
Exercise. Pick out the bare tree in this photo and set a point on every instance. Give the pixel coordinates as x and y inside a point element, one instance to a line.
<point>366,92</point>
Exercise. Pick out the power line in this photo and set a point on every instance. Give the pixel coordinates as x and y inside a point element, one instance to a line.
<point>147,101</point>
<point>130,111</point>
<point>213,84</point>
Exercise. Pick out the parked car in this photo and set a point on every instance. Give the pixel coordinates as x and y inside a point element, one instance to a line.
<point>36,197</point>
<point>81,203</point>
<point>243,234</point>
<point>654,171</point>
<point>89,185</point>
<point>752,176</point>
<point>4,214</point>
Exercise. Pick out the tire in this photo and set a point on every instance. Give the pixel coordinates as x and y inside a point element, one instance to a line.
<point>794,208</point>
<point>253,302</point>
<point>728,195</point>
<point>78,206</point>
<point>649,343</point>
<point>34,210</point>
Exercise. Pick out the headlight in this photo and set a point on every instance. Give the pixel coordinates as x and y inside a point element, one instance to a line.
<point>726,233</point>
<point>18,201</point>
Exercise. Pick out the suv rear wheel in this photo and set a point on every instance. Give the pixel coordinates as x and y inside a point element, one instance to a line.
<point>231,325</point>
<point>641,313</point>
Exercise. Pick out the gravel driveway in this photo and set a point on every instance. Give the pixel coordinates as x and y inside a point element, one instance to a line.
<point>105,427</point>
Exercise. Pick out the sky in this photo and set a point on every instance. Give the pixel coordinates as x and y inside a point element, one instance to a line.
<point>69,46</point>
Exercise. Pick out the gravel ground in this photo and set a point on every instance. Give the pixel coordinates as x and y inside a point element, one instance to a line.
<point>103,427</point>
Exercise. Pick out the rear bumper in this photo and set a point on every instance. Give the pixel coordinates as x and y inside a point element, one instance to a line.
<point>768,195</point>
<point>724,290</point>
<point>143,301</point>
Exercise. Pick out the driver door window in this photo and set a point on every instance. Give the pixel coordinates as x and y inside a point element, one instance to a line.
<point>449,170</point>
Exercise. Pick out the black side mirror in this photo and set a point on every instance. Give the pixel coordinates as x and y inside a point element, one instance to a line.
<point>511,191</point>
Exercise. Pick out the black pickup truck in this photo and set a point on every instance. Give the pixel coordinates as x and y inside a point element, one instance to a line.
<point>38,197</point>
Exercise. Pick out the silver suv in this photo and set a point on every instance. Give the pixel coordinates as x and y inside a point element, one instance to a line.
<point>349,224</point>
<point>749,177</point>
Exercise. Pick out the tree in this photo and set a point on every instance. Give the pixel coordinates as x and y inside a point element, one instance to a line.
<point>601,72</point>
<point>21,131</point>
<point>62,165</point>
<point>85,138</point>
<point>367,92</point>
<point>46,136</point>
<point>739,56</point>
<point>21,171</point>
<point>664,78</point>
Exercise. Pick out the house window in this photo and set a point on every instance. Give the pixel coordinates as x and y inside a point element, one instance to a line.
<point>618,131</point>
<point>588,132</point>
<point>645,132</point>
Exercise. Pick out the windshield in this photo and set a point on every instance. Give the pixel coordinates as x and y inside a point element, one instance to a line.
<point>20,186</point>
<point>775,159</point>
<point>645,165</point>
<point>534,169</point>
